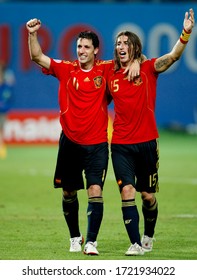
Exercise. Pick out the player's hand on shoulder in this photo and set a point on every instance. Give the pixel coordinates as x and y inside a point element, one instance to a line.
<point>33,25</point>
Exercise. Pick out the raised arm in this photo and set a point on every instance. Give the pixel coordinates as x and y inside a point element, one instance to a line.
<point>35,50</point>
<point>164,62</point>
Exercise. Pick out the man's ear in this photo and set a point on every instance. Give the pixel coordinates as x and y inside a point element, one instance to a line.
<point>96,51</point>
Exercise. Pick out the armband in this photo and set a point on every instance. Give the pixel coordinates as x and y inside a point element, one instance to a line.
<point>184,38</point>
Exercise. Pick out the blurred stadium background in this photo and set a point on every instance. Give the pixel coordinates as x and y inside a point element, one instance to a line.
<point>34,114</point>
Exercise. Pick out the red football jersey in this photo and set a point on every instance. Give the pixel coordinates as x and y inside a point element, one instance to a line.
<point>82,100</point>
<point>134,104</point>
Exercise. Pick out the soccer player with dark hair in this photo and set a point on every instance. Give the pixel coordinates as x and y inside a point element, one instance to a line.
<point>134,145</point>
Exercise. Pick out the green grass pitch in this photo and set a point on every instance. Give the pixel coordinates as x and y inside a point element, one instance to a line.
<point>33,228</point>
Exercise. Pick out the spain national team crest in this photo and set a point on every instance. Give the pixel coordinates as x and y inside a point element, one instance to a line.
<point>137,81</point>
<point>98,81</point>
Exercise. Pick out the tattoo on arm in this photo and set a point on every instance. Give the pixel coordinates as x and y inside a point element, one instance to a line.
<point>165,62</point>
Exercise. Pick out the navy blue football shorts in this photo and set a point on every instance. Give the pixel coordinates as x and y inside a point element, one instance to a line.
<point>76,162</point>
<point>136,164</point>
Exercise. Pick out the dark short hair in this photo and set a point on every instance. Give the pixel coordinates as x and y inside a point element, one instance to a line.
<point>87,34</point>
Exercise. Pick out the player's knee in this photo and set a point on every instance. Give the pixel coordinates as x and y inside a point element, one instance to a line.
<point>128,192</point>
<point>69,194</point>
<point>148,198</point>
<point>94,190</point>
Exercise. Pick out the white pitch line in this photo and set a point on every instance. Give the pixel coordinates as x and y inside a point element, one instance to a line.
<point>190,216</point>
<point>190,181</point>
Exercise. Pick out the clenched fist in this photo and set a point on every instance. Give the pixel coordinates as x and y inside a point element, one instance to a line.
<point>33,25</point>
